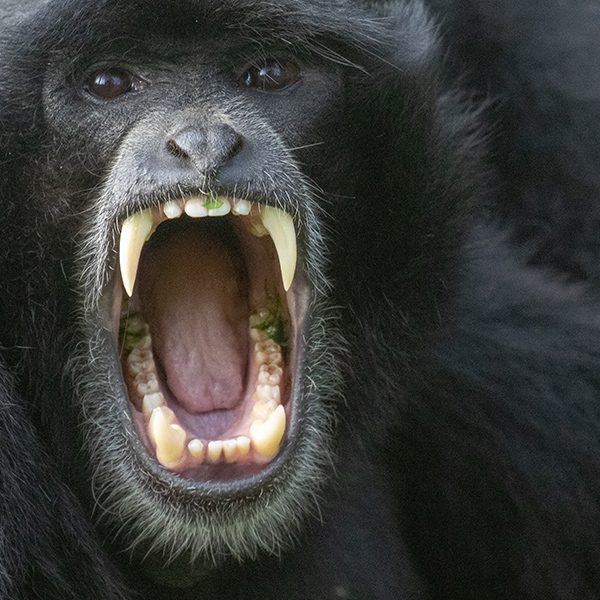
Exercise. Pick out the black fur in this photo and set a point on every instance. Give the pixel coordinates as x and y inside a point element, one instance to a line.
<point>446,445</point>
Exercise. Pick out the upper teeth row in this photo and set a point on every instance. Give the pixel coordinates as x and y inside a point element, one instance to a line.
<point>138,228</point>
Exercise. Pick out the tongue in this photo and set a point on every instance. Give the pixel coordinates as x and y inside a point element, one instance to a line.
<point>193,298</point>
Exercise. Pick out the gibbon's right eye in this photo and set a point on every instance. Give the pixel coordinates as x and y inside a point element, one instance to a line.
<point>110,84</point>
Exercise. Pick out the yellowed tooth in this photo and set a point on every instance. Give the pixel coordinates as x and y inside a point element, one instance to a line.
<point>266,435</point>
<point>134,233</point>
<point>140,361</point>
<point>264,409</point>
<point>269,375</point>
<point>230,450</point>
<point>195,447</point>
<point>281,229</point>
<point>194,207</point>
<point>146,383</point>
<point>168,436</point>
<point>152,401</point>
<point>243,445</point>
<point>265,392</point>
<point>172,210</point>
<point>217,207</point>
<point>241,207</point>
<point>214,450</point>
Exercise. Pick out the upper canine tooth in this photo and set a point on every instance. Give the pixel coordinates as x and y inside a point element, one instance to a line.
<point>281,228</point>
<point>134,233</point>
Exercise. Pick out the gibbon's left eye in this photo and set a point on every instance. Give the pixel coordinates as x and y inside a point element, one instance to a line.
<point>109,84</point>
<point>271,75</point>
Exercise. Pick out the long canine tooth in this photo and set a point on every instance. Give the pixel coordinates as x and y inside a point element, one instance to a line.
<point>281,229</point>
<point>167,434</point>
<point>266,436</point>
<point>134,233</point>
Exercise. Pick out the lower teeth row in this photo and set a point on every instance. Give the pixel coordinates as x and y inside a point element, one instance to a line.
<point>174,447</point>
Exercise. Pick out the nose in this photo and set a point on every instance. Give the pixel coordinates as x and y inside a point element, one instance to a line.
<point>206,148</point>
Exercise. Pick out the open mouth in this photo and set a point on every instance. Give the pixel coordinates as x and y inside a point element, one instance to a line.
<point>209,321</point>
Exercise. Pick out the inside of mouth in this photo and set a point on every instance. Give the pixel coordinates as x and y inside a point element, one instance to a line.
<point>204,348</point>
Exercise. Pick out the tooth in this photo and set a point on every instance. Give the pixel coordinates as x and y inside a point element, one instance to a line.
<point>140,361</point>
<point>230,450</point>
<point>214,450</point>
<point>195,447</point>
<point>217,207</point>
<point>264,409</point>
<point>146,383</point>
<point>265,392</point>
<point>281,228</point>
<point>145,343</point>
<point>258,335</point>
<point>152,401</point>
<point>167,435</point>
<point>172,210</point>
<point>270,374</point>
<point>243,445</point>
<point>266,435</point>
<point>194,207</point>
<point>134,233</point>
<point>241,207</point>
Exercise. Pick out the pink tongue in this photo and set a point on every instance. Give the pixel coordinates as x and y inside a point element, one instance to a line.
<point>193,298</point>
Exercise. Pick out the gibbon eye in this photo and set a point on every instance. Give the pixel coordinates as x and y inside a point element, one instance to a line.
<point>271,75</point>
<point>112,83</point>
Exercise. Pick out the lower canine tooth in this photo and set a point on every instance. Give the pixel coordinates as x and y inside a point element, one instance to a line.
<point>167,435</point>
<point>266,436</point>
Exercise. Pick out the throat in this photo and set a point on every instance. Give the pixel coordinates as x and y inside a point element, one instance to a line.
<point>193,292</point>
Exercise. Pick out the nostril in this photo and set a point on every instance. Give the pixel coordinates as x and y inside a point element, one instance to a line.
<point>236,145</point>
<point>177,151</point>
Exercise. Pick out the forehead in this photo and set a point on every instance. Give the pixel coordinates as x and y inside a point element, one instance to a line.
<point>266,20</point>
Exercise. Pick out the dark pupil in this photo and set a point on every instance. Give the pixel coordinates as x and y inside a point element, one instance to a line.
<point>270,76</point>
<point>111,85</point>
